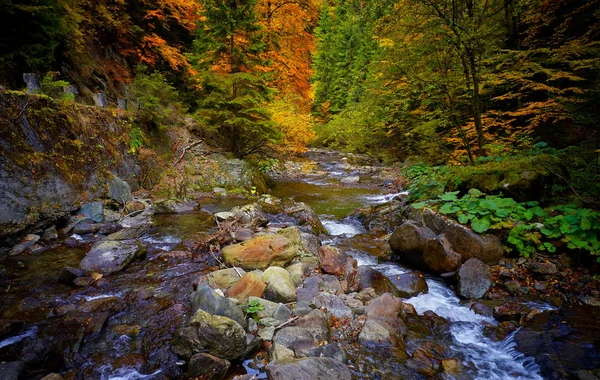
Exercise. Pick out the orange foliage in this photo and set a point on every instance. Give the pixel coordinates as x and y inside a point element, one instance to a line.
<point>290,43</point>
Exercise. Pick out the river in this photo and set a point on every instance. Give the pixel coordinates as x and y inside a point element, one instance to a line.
<point>148,300</point>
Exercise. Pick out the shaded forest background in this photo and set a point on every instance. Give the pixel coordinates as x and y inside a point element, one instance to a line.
<point>481,85</point>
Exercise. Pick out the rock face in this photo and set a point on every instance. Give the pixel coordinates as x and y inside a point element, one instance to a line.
<point>280,287</point>
<point>111,256</point>
<point>261,252</point>
<point>410,284</point>
<point>308,369</point>
<point>213,334</point>
<point>474,279</point>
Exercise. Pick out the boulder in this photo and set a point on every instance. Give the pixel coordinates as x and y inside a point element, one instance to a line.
<point>439,256</point>
<point>383,332</point>
<point>207,299</point>
<point>119,191</point>
<point>280,287</point>
<point>333,261</point>
<point>333,305</point>
<point>310,288</point>
<point>474,279</point>
<point>261,252</point>
<point>410,284</point>
<point>25,245</point>
<point>330,284</point>
<point>213,334</point>
<point>367,277</point>
<point>243,234</point>
<point>94,211</point>
<point>408,241</point>
<point>247,286</point>
<point>386,306</point>
<point>308,369</point>
<point>305,217</point>
<point>207,366</point>
<point>171,206</point>
<point>224,278</point>
<point>111,256</point>
<point>469,244</point>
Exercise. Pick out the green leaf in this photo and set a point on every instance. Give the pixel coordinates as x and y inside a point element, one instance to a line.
<point>419,205</point>
<point>585,224</point>
<point>449,208</point>
<point>480,225</point>
<point>463,219</point>
<point>489,204</point>
<point>451,196</point>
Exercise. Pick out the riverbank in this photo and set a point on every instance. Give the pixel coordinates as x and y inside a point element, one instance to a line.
<point>344,311</point>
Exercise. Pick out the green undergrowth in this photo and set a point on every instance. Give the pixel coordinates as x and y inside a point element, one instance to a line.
<point>526,227</point>
<point>542,174</point>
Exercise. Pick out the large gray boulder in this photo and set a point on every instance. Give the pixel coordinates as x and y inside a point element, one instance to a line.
<point>111,256</point>
<point>308,369</point>
<point>213,334</point>
<point>474,279</point>
<point>207,299</point>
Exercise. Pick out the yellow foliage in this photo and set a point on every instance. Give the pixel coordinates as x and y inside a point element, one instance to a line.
<point>294,124</point>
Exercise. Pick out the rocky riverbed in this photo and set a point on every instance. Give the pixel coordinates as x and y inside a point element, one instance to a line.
<point>287,286</point>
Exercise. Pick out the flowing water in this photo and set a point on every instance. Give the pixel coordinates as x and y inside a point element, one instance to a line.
<point>149,299</point>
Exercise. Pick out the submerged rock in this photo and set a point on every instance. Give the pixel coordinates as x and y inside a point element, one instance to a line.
<point>111,256</point>
<point>308,369</point>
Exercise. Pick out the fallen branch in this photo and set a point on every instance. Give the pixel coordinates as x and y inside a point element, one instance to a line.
<point>286,323</point>
<point>185,150</point>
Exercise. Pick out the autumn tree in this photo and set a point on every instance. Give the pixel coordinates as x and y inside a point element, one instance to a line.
<point>235,88</point>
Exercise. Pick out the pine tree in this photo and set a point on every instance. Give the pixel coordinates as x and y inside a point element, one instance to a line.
<point>235,89</point>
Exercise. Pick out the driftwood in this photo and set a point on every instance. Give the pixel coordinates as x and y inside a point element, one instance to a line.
<point>223,236</point>
<point>185,150</point>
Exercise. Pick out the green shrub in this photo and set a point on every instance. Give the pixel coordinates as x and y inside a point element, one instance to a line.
<point>136,139</point>
<point>156,98</point>
<point>527,227</point>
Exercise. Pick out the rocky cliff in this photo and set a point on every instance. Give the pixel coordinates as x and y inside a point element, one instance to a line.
<point>53,156</point>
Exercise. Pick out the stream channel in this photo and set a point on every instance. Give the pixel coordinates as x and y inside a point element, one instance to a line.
<point>142,306</point>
